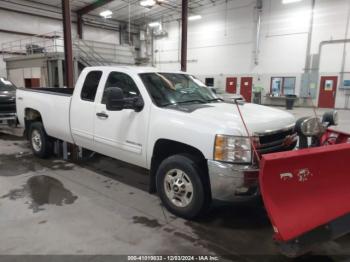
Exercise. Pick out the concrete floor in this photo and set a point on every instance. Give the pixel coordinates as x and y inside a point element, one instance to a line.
<point>101,207</point>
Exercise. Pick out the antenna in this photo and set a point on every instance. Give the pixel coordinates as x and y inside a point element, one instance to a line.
<point>246,129</point>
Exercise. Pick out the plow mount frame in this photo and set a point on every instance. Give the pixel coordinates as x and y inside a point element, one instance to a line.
<point>306,242</point>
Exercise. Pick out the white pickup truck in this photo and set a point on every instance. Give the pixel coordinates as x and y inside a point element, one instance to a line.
<point>194,144</point>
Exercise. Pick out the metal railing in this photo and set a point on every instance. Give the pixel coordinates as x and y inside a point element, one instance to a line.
<point>88,56</point>
<point>45,43</point>
<point>92,53</point>
<point>110,53</point>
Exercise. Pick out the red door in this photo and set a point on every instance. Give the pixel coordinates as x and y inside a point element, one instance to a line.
<point>32,82</point>
<point>231,85</point>
<point>246,88</point>
<point>328,89</point>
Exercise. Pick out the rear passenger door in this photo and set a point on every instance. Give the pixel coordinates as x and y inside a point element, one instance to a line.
<point>83,110</point>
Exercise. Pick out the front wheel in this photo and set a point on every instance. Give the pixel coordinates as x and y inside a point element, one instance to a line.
<point>182,186</point>
<point>40,142</point>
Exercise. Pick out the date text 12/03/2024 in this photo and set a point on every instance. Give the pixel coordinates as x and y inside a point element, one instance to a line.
<point>173,258</point>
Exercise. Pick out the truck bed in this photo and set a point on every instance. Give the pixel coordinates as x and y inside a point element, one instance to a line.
<point>53,105</point>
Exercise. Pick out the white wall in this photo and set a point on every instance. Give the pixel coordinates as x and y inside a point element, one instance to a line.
<point>222,43</point>
<point>18,22</point>
<point>17,76</point>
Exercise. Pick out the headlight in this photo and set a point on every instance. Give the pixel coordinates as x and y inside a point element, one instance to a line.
<point>311,127</point>
<point>330,118</point>
<point>235,149</point>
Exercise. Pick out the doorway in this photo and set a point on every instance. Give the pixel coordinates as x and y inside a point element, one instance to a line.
<point>246,88</point>
<point>231,85</point>
<point>328,90</point>
<point>32,82</point>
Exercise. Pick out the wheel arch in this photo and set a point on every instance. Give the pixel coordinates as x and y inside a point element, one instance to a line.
<point>31,115</point>
<point>163,148</point>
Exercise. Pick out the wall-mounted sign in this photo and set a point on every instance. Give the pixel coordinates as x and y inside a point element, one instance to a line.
<point>346,84</point>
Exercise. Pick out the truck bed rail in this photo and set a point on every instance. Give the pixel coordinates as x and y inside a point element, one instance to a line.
<point>51,90</point>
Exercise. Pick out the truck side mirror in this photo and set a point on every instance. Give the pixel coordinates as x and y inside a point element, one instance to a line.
<point>137,104</point>
<point>115,99</point>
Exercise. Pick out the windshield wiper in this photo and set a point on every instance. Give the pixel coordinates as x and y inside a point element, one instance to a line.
<point>191,101</point>
<point>215,99</point>
<point>186,102</point>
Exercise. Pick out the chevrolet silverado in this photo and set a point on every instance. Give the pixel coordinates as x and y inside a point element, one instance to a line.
<point>193,143</point>
<point>198,147</point>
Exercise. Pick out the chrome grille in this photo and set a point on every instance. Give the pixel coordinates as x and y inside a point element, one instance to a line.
<point>276,141</point>
<point>7,107</point>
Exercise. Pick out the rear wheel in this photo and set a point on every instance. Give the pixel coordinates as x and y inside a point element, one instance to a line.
<point>40,142</point>
<point>182,186</point>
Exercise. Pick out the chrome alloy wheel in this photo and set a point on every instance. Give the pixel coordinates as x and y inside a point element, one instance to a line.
<point>178,188</point>
<point>36,140</point>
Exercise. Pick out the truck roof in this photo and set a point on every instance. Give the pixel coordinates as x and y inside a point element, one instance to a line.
<point>134,69</point>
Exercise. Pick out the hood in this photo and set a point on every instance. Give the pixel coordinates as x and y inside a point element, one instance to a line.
<point>226,118</point>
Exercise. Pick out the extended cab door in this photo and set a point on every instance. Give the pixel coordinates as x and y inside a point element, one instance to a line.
<point>83,108</point>
<point>121,134</point>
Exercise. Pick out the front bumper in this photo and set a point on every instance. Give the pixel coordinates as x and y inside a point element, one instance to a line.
<point>233,183</point>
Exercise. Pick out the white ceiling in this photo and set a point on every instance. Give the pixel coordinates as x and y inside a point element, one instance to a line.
<point>170,9</point>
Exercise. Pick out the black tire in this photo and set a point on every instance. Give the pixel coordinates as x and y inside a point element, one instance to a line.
<point>197,175</point>
<point>45,149</point>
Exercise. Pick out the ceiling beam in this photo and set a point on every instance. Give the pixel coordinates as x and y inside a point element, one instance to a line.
<point>93,6</point>
<point>68,48</point>
<point>184,29</point>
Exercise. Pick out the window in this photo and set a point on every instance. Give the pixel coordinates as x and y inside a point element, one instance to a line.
<point>276,86</point>
<point>168,89</point>
<point>289,86</point>
<point>124,82</point>
<point>282,86</point>
<point>209,81</point>
<point>90,86</point>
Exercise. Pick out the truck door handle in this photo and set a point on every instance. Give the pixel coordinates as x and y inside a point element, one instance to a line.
<point>102,115</point>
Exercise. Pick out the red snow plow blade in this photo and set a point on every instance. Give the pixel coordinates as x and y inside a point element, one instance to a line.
<point>306,194</point>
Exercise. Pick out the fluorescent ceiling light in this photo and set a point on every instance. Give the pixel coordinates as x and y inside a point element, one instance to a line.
<point>147,3</point>
<point>106,14</point>
<point>154,24</point>
<point>194,17</point>
<point>285,2</point>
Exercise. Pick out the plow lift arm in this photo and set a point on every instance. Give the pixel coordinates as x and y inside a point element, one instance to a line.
<point>306,191</point>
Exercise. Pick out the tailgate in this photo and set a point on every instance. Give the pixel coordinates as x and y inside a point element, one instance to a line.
<point>307,190</point>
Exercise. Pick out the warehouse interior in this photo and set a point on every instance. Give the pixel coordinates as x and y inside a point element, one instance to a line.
<point>289,47</point>
<point>264,52</point>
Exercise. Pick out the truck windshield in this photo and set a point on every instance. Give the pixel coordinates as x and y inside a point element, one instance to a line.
<point>6,85</point>
<point>172,89</point>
